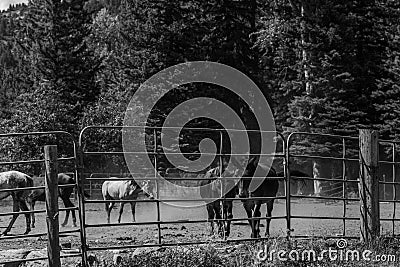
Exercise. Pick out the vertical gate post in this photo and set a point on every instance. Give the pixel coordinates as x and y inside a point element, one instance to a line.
<point>79,174</point>
<point>286,173</point>
<point>157,187</point>
<point>369,185</point>
<point>51,188</point>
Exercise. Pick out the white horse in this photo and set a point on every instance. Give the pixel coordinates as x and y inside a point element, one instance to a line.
<point>15,180</point>
<point>123,190</point>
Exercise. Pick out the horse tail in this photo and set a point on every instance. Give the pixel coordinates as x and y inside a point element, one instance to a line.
<point>104,190</point>
<point>28,183</point>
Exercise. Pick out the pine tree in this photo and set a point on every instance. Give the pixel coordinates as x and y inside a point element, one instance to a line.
<point>56,73</point>
<point>63,69</point>
<point>386,97</point>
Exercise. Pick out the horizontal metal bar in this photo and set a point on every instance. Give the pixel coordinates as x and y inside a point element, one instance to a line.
<point>36,133</point>
<point>39,258</point>
<point>222,178</point>
<point>326,179</point>
<point>389,201</point>
<point>101,153</point>
<point>322,157</point>
<point>179,178</point>
<point>324,217</point>
<point>390,219</point>
<point>9,237</point>
<point>324,135</point>
<point>390,183</point>
<point>389,162</point>
<point>21,212</point>
<point>33,188</point>
<point>325,198</point>
<point>172,128</point>
<point>32,161</point>
<point>391,142</point>
<point>100,225</point>
<point>122,178</point>
<point>21,189</point>
<point>324,237</point>
<point>111,174</point>
<point>181,200</point>
<point>34,211</point>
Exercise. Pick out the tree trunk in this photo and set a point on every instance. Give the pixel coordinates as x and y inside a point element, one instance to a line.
<point>305,54</point>
<point>317,174</point>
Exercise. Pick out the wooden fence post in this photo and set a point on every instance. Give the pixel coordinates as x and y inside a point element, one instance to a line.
<point>51,187</point>
<point>369,185</point>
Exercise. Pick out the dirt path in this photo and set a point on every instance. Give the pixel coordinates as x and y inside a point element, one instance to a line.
<point>189,232</point>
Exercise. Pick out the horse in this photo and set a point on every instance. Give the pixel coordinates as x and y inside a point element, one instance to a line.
<point>268,188</point>
<point>214,207</point>
<point>64,193</point>
<point>15,180</point>
<point>124,190</point>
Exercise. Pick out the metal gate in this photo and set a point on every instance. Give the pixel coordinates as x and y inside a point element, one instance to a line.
<point>340,164</point>
<point>26,143</point>
<point>89,137</point>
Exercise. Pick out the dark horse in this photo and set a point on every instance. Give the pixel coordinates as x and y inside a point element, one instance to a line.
<point>268,188</point>
<point>215,190</point>
<point>64,193</point>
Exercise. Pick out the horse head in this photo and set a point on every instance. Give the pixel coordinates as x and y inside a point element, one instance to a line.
<point>148,188</point>
<point>245,180</point>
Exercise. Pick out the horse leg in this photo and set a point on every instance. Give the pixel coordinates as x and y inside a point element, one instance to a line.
<point>270,206</point>
<point>218,216</point>
<point>69,204</point>
<point>15,216</point>
<point>108,206</point>
<point>24,207</point>
<point>229,215</point>
<point>210,213</point>
<point>133,208</point>
<point>31,204</point>
<point>121,210</point>
<point>66,205</point>
<point>248,207</point>
<point>256,222</point>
